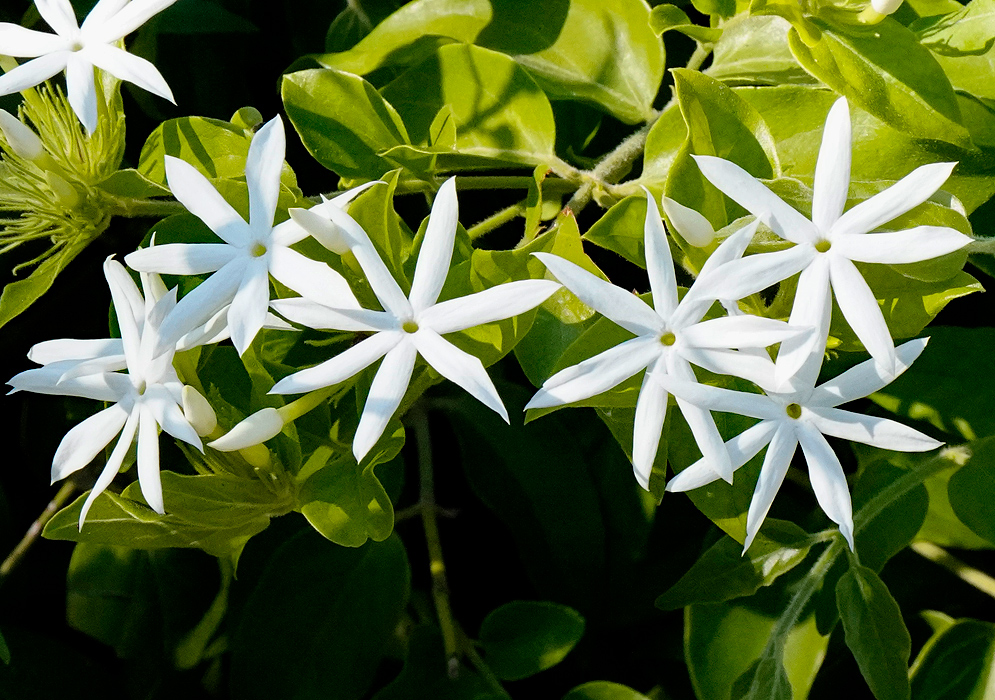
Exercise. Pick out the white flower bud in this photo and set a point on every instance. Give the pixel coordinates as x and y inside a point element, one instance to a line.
<point>257,428</point>
<point>198,411</point>
<point>886,7</point>
<point>692,226</point>
<point>21,139</point>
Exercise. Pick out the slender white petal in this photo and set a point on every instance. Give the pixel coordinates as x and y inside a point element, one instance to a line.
<point>247,312</point>
<point>701,423</point>
<point>756,367</point>
<point>60,16</point>
<point>168,414</point>
<point>864,379</point>
<point>827,478</point>
<point>716,398</point>
<point>906,246</point>
<point>128,19</point>
<point>316,224</point>
<point>493,304</point>
<point>625,309</point>
<point>752,195</point>
<point>201,304</point>
<point>197,194</point>
<point>911,191</point>
<point>386,392</point>
<point>689,224</point>
<point>340,367</point>
<point>106,386</point>
<point>261,426</point>
<point>97,365</point>
<point>317,316</point>
<point>310,278</point>
<point>739,332</point>
<point>870,430</point>
<point>125,66</point>
<point>20,42</point>
<point>597,374</point>
<point>123,294</point>
<point>832,169</point>
<point>289,232</point>
<point>861,310</point>
<point>436,249</point>
<point>85,441</point>
<point>148,459</point>
<point>182,258</point>
<point>80,88</point>
<point>741,449</point>
<point>262,173</point>
<point>101,13</point>
<point>799,359</point>
<point>776,462</point>
<point>740,278</point>
<point>113,464</point>
<point>651,412</point>
<point>460,368</point>
<point>72,349</point>
<point>659,261</point>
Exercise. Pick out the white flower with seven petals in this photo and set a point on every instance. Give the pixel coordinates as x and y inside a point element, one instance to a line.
<point>250,252</point>
<point>148,395</point>
<point>803,416</point>
<point>408,326</point>
<point>827,246</point>
<point>76,49</point>
<point>669,336</point>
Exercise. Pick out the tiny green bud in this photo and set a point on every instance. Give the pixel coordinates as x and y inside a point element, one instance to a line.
<point>64,192</point>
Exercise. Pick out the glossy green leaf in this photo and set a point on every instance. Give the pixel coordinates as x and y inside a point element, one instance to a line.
<point>622,229</point>
<point>723,8</point>
<point>875,632</point>
<point>343,121</point>
<point>603,690</point>
<point>318,620</point>
<point>499,111</point>
<point>898,522</point>
<point>670,17</point>
<point>522,638</point>
<point>580,49</point>
<point>754,50</point>
<point>969,31</point>
<point>942,526</point>
<point>884,70</point>
<point>956,663</point>
<point>725,571</point>
<point>970,490</point>
<point>970,73</point>
<point>663,144</point>
<point>20,294</point>
<point>132,184</point>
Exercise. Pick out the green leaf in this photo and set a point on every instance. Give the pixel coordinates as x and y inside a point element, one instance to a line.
<point>970,490</point>
<point>956,663</point>
<point>132,184</point>
<point>722,8</point>
<point>18,296</point>
<point>343,121</point>
<point>215,513</point>
<point>663,145</point>
<point>499,111</point>
<point>725,572</point>
<point>969,31</point>
<point>522,638</point>
<point>875,632</point>
<point>603,690</point>
<point>579,49</point>
<point>319,619</point>
<point>664,18</point>
<point>622,229</point>
<point>4,651</point>
<point>754,50</point>
<point>942,526</point>
<point>884,70</point>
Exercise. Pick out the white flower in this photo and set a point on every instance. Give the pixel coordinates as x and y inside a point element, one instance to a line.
<point>408,326</point>
<point>669,336</point>
<point>803,416</point>
<point>146,396</point>
<point>249,254</point>
<point>886,7</point>
<point>828,245</point>
<point>76,49</point>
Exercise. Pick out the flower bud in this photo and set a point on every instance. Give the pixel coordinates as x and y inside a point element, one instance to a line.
<point>65,193</point>
<point>20,139</point>
<point>198,411</point>
<point>257,428</point>
<point>886,7</point>
<point>692,226</point>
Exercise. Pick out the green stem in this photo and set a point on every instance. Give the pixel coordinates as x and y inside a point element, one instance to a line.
<point>295,409</point>
<point>698,57</point>
<point>496,220</point>
<point>982,245</point>
<point>59,500</point>
<point>493,182</point>
<point>150,208</point>
<point>936,554</point>
<point>437,566</point>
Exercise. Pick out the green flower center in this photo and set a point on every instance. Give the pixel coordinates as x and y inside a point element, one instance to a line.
<point>409,327</point>
<point>793,410</point>
<point>668,338</point>
<point>258,250</point>
<point>76,46</point>
<point>823,246</point>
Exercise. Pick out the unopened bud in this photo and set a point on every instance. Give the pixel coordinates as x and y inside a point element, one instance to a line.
<point>198,411</point>
<point>692,226</point>
<point>64,192</point>
<point>886,7</point>
<point>254,430</point>
<point>20,139</point>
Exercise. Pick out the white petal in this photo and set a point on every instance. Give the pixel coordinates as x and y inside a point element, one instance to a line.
<point>756,367</point>
<point>385,396</point>
<point>290,232</point>
<point>436,249</point>
<point>128,304</point>
<point>20,42</point>
<point>71,349</point>
<point>81,89</point>
<point>870,430</point>
<point>311,278</point>
<point>740,278</point>
<point>752,195</point>
<point>340,367</point>
<point>832,169</point>
<point>739,332</point>
<point>182,258</point>
<point>460,368</point>
<point>113,465</point>
<point>125,66</point>
<point>689,224</point>
<point>866,378</point>
<point>148,459</point>
<point>775,466</point>
<point>716,398</point>
<point>33,72</point>
<point>828,480</point>
<point>741,449</point>
<point>861,310</point>
<point>247,312</point>
<point>597,374</point>
<point>262,174</point>
<point>799,359</point>
<point>730,249</point>
<point>200,304</point>
<point>493,304</point>
<point>97,365</point>
<point>106,386</point>
<point>622,307</point>
<point>911,191</point>
<point>60,16</point>
<point>167,413</point>
<point>907,246</point>
<point>651,412</point>
<point>197,194</point>
<point>312,222</point>
<point>659,261</point>
<point>320,317</point>
<point>85,441</point>
<point>103,11</point>
<point>256,429</point>
<point>702,425</point>
<point>128,19</point>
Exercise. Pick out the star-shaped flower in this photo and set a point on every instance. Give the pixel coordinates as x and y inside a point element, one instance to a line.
<point>828,245</point>
<point>669,336</point>
<point>408,326</point>
<point>76,49</point>
<point>250,253</point>
<point>803,416</point>
<point>146,396</point>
